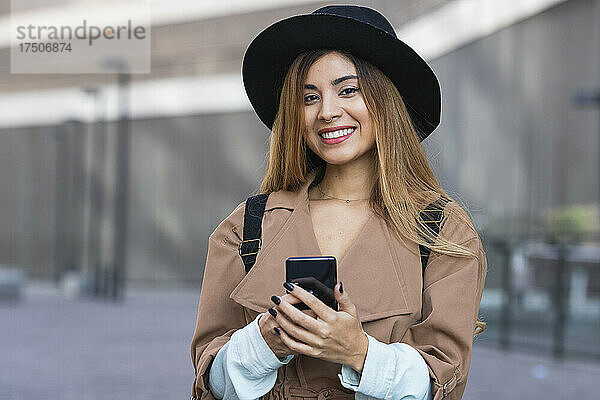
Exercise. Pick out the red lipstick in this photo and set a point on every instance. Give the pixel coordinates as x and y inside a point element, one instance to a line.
<point>334,128</point>
<point>339,139</point>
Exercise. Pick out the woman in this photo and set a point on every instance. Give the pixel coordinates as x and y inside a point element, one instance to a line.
<point>347,103</point>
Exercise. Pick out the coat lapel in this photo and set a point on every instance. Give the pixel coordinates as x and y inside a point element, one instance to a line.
<point>372,274</point>
<point>371,268</point>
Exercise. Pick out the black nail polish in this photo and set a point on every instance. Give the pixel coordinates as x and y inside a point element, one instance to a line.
<point>288,286</point>
<point>277,331</point>
<point>275,300</point>
<point>341,287</point>
<point>273,312</point>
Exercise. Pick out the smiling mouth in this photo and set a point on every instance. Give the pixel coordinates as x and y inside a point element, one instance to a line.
<point>337,134</point>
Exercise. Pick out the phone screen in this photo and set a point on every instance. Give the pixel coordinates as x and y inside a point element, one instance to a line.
<point>317,275</point>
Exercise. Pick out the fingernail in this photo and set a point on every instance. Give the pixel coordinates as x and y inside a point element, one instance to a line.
<point>288,286</point>
<point>275,300</point>
<point>277,331</point>
<point>273,312</point>
<point>341,287</point>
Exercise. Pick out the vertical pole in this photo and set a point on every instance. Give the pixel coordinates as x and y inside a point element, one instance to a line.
<point>561,286</point>
<point>507,295</point>
<point>60,201</point>
<point>96,196</point>
<point>121,191</point>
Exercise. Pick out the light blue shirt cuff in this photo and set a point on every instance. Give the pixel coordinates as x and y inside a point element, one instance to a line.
<point>245,368</point>
<point>253,353</point>
<point>349,378</point>
<point>393,370</point>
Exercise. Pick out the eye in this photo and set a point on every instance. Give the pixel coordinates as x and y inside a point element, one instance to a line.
<point>349,91</point>
<point>309,98</point>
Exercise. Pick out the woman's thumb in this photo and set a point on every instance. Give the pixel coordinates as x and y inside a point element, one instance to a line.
<point>344,303</point>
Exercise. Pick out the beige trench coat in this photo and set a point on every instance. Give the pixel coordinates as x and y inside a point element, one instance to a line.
<point>436,315</point>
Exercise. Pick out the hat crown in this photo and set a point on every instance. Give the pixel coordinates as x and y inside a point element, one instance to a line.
<point>363,14</point>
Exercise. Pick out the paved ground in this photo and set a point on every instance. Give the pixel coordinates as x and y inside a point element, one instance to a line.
<point>52,347</point>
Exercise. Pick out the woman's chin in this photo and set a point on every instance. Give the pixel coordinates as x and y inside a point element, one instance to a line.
<point>339,158</point>
<point>339,161</point>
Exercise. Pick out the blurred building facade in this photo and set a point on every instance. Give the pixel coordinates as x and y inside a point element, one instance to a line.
<point>514,147</point>
<point>197,149</point>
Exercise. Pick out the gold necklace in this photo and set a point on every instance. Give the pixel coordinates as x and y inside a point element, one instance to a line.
<point>337,198</point>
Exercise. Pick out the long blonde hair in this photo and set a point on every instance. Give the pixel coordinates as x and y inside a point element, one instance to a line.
<point>403,179</point>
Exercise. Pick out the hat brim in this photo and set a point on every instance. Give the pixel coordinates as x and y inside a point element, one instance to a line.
<point>271,53</point>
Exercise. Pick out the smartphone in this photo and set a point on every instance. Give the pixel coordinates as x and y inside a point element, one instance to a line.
<point>317,275</point>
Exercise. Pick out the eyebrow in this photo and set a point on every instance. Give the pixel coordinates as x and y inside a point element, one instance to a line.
<point>333,82</point>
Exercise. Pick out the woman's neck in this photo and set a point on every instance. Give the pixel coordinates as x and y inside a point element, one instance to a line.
<point>351,181</point>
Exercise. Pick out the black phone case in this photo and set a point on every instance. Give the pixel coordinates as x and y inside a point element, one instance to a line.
<point>323,269</point>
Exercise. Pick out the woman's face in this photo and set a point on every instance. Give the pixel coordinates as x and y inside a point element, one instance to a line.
<point>331,92</point>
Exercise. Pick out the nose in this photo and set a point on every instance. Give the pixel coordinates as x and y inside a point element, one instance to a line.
<point>330,109</point>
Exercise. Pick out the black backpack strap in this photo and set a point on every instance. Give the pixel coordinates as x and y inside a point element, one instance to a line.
<point>255,208</point>
<point>251,242</point>
<point>432,216</point>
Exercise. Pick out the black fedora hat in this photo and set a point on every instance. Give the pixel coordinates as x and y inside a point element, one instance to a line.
<point>362,32</point>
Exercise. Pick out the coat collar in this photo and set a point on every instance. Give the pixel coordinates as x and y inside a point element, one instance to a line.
<point>370,269</point>
<point>291,200</point>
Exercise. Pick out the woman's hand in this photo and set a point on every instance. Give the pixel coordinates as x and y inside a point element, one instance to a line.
<point>332,336</point>
<point>268,326</point>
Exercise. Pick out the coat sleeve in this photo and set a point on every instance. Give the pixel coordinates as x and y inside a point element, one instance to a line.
<point>218,315</point>
<point>452,290</point>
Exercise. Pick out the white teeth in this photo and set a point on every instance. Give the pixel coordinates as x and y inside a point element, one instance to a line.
<point>338,133</point>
